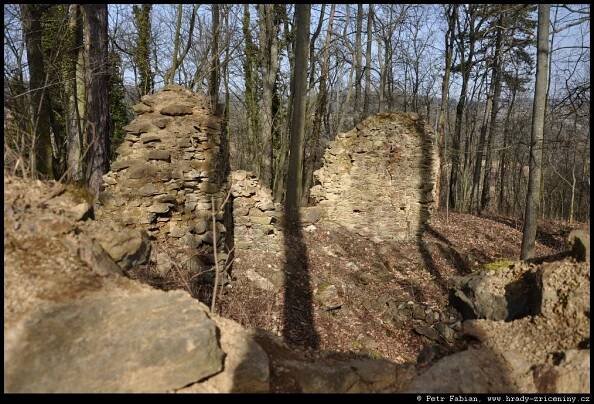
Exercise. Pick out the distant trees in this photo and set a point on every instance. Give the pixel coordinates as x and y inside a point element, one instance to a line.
<point>467,69</point>
<point>177,57</point>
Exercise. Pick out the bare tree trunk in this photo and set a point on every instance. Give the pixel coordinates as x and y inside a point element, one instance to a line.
<point>294,180</point>
<point>382,83</point>
<point>213,83</point>
<point>532,200</point>
<point>466,66</point>
<point>322,102</point>
<point>76,97</point>
<point>40,106</point>
<point>171,72</point>
<point>251,88</point>
<point>312,49</point>
<point>486,194</point>
<point>504,154</point>
<point>445,85</point>
<point>281,170</point>
<point>358,56</point>
<point>98,131</point>
<point>474,199</point>
<point>269,60</point>
<point>346,102</point>
<point>178,59</point>
<point>368,61</point>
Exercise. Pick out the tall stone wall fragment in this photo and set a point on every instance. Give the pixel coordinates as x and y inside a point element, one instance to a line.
<point>169,168</point>
<point>379,179</point>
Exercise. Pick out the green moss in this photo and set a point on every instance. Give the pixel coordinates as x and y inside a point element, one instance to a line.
<point>357,345</point>
<point>497,265</point>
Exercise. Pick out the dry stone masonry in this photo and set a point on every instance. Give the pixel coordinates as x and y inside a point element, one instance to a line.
<point>169,167</point>
<point>379,178</point>
<point>258,227</point>
<point>256,217</point>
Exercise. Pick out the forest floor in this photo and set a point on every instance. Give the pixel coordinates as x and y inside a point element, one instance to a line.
<point>371,278</point>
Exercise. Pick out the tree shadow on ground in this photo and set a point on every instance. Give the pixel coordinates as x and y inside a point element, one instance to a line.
<point>546,237</point>
<point>292,371</point>
<point>451,254</point>
<point>298,321</point>
<point>427,176</point>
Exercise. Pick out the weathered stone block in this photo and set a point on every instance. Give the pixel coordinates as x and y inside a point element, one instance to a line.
<point>159,155</point>
<point>176,110</point>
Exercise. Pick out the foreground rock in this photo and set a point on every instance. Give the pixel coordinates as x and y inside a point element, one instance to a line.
<point>246,364</point>
<point>579,243</point>
<point>73,326</point>
<point>502,294</point>
<point>148,341</point>
<point>540,349</point>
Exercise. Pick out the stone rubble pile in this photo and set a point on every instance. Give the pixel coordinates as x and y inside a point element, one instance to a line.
<point>533,325</point>
<point>379,179</point>
<point>169,168</point>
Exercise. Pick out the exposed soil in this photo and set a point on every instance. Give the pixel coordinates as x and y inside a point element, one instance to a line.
<point>369,275</point>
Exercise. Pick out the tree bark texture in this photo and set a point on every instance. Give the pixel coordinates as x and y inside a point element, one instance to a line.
<point>536,140</point>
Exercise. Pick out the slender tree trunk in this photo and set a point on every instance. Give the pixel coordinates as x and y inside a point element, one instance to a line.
<point>368,61</point>
<point>251,88</point>
<point>76,96</point>
<point>281,171</point>
<point>98,128</point>
<point>466,66</point>
<point>506,130</point>
<point>269,60</point>
<point>321,107</point>
<point>171,72</point>
<point>358,57</point>
<point>538,115</point>
<point>346,102</point>
<point>382,69</point>
<point>213,83</point>
<point>225,69</point>
<point>40,106</point>
<point>294,180</point>
<point>474,200</point>
<point>312,49</point>
<point>486,194</point>
<point>445,85</point>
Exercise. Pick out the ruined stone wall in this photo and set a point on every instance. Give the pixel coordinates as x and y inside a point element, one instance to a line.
<point>257,220</point>
<point>379,178</point>
<point>168,168</point>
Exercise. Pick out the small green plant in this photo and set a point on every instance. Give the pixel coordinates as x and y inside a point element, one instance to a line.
<point>497,265</point>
